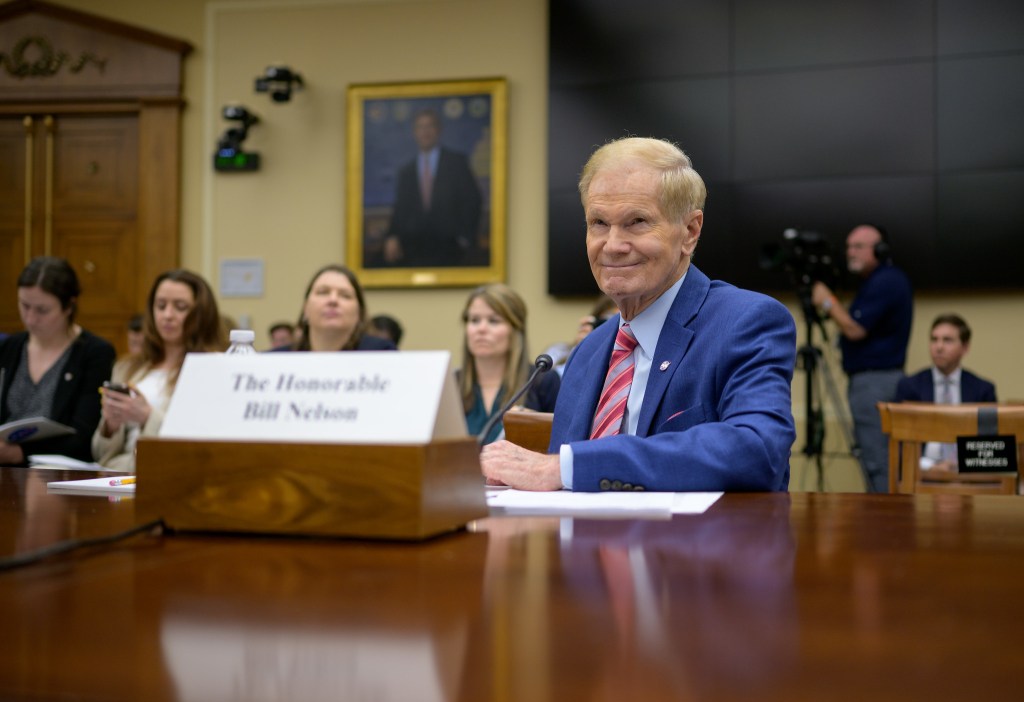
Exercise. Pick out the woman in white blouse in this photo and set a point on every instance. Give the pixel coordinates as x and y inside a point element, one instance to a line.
<point>181,317</point>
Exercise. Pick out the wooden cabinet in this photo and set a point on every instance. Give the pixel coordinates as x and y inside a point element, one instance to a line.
<point>89,157</point>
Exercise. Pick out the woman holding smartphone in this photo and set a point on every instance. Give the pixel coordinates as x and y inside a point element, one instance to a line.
<point>54,368</point>
<point>181,317</point>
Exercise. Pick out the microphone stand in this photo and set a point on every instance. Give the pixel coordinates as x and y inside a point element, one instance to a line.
<point>541,365</point>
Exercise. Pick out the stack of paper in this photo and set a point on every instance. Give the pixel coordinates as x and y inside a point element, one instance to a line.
<point>94,486</point>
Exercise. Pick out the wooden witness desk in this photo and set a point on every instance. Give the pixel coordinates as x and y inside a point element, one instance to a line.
<point>764,597</point>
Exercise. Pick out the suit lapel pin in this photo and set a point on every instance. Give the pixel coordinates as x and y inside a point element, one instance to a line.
<point>68,376</point>
<point>665,365</point>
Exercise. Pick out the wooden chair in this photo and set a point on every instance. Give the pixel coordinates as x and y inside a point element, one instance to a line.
<point>531,430</point>
<point>912,424</point>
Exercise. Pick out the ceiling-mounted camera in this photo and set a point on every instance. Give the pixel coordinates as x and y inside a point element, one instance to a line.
<point>230,156</point>
<point>280,82</point>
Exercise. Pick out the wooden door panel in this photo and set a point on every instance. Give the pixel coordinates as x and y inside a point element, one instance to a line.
<point>13,179</point>
<point>95,167</point>
<point>114,332</point>
<point>95,204</point>
<point>12,170</point>
<point>12,260</point>
<point>102,253</point>
<point>12,254</point>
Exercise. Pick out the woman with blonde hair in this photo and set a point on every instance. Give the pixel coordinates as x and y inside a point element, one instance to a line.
<point>495,359</point>
<point>181,317</point>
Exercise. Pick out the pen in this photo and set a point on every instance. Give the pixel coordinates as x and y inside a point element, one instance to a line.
<point>123,481</point>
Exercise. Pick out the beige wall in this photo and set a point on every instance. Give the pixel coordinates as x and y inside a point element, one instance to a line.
<point>291,214</point>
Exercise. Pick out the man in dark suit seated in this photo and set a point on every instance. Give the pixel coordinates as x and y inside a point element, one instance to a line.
<point>946,382</point>
<point>688,388</point>
<point>950,342</point>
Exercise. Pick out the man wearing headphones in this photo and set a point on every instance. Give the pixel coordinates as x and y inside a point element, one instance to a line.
<point>875,332</point>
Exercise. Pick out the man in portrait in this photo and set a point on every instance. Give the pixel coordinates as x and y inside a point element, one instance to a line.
<point>436,214</point>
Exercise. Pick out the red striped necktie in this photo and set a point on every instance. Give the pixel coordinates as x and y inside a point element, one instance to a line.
<point>612,407</point>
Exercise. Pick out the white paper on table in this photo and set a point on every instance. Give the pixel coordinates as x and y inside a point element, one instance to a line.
<point>624,505</point>
<point>91,486</point>
<point>693,502</point>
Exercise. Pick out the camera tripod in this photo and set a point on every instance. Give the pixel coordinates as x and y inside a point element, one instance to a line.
<point>820,383</point>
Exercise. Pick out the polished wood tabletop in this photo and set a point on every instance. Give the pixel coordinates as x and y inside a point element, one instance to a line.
<point>764,597</point>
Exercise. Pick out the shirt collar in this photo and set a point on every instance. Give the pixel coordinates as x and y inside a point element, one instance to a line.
<point>647,325</point>
<point>938,377</point>
<point>430,157</point>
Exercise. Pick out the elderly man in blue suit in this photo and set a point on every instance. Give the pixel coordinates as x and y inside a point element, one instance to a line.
<point>689,388</point>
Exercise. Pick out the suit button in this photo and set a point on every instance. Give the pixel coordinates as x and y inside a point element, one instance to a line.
<point>605,484</point>
<point>627,486</point>
<point>638,488</point>
<point>617,485</point>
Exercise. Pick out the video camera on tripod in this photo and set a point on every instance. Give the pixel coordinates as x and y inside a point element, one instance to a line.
<point>806,256</point>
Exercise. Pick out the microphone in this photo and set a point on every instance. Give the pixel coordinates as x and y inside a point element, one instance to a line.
<point>541,365</point>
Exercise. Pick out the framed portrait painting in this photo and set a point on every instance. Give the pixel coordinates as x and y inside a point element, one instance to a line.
<point>426,183</point>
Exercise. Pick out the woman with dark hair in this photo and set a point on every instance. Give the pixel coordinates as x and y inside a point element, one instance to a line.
<point>334,315</point>
<point>494,359</point>
<point>54,368</point>
<point>181,317</point>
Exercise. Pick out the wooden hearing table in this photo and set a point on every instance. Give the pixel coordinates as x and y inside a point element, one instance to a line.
<point>764,597</point>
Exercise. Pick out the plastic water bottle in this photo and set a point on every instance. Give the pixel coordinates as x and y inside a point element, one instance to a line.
<point>241,341</point>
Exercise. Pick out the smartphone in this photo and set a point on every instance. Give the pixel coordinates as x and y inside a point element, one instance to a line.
<point>117,387</point>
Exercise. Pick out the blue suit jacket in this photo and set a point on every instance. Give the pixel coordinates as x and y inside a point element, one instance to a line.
<point>919,387</point>
<point>718,417</point>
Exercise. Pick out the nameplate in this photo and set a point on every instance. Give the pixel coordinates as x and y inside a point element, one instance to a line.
<point>353,397</point>
<point>987,454</point>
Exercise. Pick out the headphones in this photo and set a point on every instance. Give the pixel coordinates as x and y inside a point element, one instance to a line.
<point>882,250</point>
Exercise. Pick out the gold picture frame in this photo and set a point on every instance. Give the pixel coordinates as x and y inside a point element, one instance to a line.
<point>426,168</point>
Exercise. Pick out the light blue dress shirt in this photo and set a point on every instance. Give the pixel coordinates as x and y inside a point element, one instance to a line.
<point>646,327</point>
<point>429,158</point>
<point>933,451</point>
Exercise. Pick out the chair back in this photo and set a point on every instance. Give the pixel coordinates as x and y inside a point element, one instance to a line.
<point>912,424</point>
<point>531,430</point>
